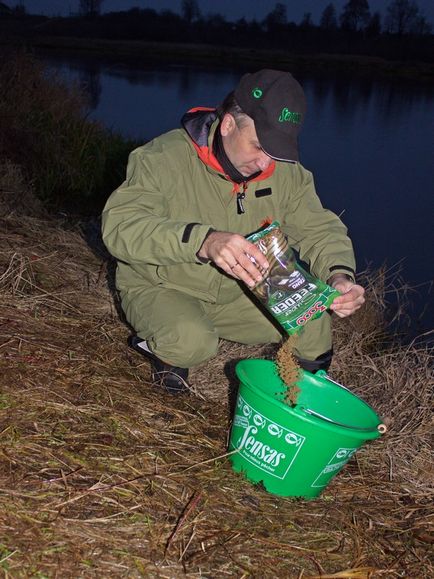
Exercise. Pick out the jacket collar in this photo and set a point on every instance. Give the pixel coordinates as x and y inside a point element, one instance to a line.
<point>201,125</point>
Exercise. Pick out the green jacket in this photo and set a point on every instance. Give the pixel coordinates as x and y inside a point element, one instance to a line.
<point>175,191</point>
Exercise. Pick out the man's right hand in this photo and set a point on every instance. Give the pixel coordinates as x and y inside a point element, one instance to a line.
<point>236,256</point>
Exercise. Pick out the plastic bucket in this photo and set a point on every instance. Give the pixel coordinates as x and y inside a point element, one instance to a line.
<point>296,451</point>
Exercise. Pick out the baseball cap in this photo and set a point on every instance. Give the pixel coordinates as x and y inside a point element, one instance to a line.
<point>276,103</point>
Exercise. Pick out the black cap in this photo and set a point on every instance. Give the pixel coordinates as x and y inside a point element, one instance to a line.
<point>276,103</point>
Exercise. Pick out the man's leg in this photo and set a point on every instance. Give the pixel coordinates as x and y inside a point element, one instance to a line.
<point>313,348</point>
<point>175,325</point>
<point>184,332</point>
<point>244,321</point>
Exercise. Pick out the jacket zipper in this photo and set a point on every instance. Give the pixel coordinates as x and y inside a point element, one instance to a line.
<point>241,195</point>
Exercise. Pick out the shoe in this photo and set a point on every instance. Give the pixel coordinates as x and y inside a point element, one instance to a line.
<point>171,378</point>
<point>321,363</point>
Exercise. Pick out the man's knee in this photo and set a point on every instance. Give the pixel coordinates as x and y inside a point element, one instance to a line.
<point>175,325</point>
<point>186,343</point>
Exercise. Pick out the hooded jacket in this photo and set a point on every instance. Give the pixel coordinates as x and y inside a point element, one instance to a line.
<point>176,191</point>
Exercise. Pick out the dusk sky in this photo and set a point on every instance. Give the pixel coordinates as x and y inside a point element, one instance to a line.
<point>230,9</point>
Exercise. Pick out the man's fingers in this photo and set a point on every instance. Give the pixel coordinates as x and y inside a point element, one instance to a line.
<point>246,271</point>
<point>346,300</point>
<point>253,269</point>
<point>227,249</point>
<point>237,257</point>
<point>253,255</point>
<point>346,309</point>
<point>349,302</point>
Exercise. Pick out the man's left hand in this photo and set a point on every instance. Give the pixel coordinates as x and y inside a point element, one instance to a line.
<point>352,297</point>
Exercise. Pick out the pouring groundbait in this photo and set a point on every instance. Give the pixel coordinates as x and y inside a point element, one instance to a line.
<point>292,295</point>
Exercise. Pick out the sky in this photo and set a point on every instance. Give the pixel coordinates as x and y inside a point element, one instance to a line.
<point>231,9</point>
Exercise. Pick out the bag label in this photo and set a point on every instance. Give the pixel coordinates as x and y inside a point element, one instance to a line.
<point>292,295</point>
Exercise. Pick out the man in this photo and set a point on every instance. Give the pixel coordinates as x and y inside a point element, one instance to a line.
<point>177,228</point>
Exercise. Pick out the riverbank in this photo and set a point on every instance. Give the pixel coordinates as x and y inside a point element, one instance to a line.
<point>223,56</point>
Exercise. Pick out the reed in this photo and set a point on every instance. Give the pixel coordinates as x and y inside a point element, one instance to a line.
<point>70,160</point>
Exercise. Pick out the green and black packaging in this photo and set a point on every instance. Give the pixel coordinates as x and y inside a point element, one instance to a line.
<point>291,294</point>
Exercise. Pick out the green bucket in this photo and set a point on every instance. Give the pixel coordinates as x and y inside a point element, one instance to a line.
<point>296,451</point>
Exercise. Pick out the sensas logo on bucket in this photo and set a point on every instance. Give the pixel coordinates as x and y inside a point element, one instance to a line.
<point>271,447</point>
<point>258,449</point>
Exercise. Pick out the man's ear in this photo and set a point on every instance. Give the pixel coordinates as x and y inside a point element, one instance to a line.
<point>227,125</point>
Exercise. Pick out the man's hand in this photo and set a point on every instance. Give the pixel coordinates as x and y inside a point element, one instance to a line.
<point>352,297</point>
<point>235,255</point>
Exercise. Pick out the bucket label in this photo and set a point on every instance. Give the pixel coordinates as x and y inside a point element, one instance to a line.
<point>241,421</point>
<point>264,443</point>
<point>338,460</point>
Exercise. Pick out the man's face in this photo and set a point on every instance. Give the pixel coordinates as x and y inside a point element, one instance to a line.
<point>242,146</point>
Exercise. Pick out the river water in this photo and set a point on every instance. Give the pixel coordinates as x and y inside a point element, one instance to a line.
<point>368,142</point>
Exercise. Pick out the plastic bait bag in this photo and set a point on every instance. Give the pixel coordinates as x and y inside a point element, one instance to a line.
<point>292,295</point>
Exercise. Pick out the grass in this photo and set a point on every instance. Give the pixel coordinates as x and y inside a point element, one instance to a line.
<point>104,475</point>
<point>70,160</point>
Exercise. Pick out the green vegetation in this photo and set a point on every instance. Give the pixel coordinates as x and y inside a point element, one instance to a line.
<point>71,161</point>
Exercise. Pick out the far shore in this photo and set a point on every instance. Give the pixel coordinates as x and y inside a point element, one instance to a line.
<point>223,56</point>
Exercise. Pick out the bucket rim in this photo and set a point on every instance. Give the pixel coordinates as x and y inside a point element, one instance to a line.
<point>304,414</point>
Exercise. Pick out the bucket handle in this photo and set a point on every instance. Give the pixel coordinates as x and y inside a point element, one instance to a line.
<point>381,427</point>
<point>327,377</point>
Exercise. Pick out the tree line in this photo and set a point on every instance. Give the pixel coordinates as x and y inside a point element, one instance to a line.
<point>401,32</point>
<point>402,16</point>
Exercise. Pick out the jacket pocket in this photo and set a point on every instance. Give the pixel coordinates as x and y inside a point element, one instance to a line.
<point>193,279</point>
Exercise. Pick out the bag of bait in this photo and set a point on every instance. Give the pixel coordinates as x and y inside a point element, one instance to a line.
<point>292,295</point>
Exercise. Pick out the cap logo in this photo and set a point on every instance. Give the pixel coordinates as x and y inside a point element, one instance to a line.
<point>288,116</point>
<point>257,93</point>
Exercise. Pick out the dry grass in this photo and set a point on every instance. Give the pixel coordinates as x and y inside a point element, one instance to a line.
<point>103,475</point>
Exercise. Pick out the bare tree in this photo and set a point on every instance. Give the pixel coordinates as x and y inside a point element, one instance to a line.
<point>90,7</point>
<point>216,20</point>
<point>328,18</point>
<point>404,17</point>
<point>355,15</point>
<point>277,16</point>
<point>422,26</point>
<point>306,21</point>
<point>374,25</point>
<point>190,10</point>
<point>20,9</point>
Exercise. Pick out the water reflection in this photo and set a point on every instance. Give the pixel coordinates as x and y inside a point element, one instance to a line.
<point>391,99</point>
<point>90,83</point>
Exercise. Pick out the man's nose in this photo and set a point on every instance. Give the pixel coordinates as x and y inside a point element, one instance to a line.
<point>263,162</point>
